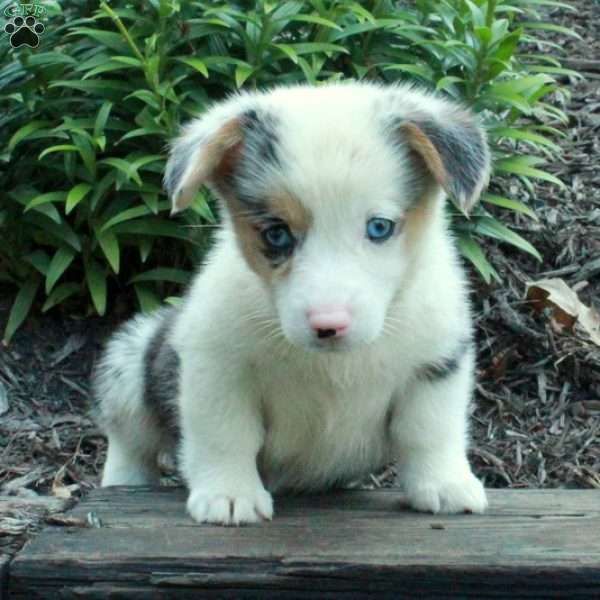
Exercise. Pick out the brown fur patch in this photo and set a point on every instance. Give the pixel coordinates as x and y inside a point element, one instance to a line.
<point>421,144</point>
<point>283,206</point>
<point>289,209</point>
<point>218,155</point>
<point>419,218</point>
<point>250,245</point>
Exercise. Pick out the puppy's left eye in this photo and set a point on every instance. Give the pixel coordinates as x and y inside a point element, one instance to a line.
<point>279,238</point>
<point>379,229</point>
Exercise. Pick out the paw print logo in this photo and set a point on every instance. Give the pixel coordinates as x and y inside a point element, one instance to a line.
<point>24,31</point>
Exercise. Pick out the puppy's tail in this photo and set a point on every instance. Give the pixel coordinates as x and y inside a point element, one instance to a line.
<point>134,386</point>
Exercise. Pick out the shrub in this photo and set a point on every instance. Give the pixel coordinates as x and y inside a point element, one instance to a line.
<point>88,114</point>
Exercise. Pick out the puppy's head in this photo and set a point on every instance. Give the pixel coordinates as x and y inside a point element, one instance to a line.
<point>331,192</point>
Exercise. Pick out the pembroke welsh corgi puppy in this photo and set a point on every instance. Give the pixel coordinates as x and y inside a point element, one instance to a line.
<point>329,332</point>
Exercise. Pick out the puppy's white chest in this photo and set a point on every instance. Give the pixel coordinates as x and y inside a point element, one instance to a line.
<point>321,431</point>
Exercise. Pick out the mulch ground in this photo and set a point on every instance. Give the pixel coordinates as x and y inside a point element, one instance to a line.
<point>536,420</point>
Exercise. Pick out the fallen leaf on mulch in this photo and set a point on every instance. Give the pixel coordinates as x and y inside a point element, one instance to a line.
<point>66,521</point>
<point>567,310</point>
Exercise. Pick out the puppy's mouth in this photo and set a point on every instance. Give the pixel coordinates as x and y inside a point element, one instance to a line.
<point>332,345</point>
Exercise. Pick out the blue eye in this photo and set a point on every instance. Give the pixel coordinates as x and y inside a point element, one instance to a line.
<point>279,238</point>
<point>379,229</point>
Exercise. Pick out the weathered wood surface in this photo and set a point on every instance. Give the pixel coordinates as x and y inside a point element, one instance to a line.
<point>531,544</point>
<point>3,576</point>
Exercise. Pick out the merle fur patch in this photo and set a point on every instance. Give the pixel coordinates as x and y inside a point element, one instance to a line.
<point>446,366</point>
<point>463,152</point>
<point>161,381</point>
<point>258,154</point>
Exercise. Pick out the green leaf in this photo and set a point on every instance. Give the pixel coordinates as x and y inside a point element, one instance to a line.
<point>95,277</point>
<point>61,231</point>
<point>59,294</point>
<point>510,204</point>
<point>60,262</point>
<point>21,307</point>
<point>525,135</point>
<point>446,82</point>
<point>147,299</point>
<point>76,195</point>
<point>59,148</point>
<point>201,207</point>
<point>146,96</point>
<point>545,26</point>
<point>49,210</point>
<point>38,259</point>
<point>311,19</point>
<point>101,118</point>
<point>423,71</point>
<point>492,228</point>
<point>109,39</point>
<point>151,201</point>
<point>154,226</point>
<point>314,47</point>
<point>141,131</point>
<point>288,51</point>
<point>242,72</point>
<point>128,214</point>
<point>87,153</point>
<point>123,166</point>
<point>110,246</point>
<point>174,300</point>
<point>45,199</point>
<point>24,132</point>
<point>97,86</point>
<point>145,247</point>
<point>163,274</point>
<point>195,63</point>
<point>472,251</point>
<point>523,165</point>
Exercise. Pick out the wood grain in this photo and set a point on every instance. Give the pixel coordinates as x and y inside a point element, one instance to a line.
<point>534,543</point>
<point>3,576</point>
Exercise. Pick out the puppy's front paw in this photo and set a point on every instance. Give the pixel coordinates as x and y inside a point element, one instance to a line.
<point>462,494</point>
<point>230,507</point>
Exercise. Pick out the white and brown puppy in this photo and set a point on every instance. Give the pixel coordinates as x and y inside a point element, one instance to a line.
<point>329,331</point>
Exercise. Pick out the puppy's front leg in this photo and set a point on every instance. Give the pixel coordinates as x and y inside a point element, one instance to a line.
<point>222,433</point>
<point>429,431</point>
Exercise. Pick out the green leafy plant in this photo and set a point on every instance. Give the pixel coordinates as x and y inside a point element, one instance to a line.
<point>87,117</point>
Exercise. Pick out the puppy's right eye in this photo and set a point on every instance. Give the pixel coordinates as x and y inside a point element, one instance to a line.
<point>379,229</point>
<point>279,238</point>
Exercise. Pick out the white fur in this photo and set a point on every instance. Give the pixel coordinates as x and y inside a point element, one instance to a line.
<point>134,438</point>
<point>256,392</point>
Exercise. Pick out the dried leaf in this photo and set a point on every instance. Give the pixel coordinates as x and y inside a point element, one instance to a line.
<point>66,521</point>
<point>567,309</point>
<point>589,319</point>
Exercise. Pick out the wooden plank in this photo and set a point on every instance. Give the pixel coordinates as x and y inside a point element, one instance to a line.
<point>3,576</point>
<point>534,543</point>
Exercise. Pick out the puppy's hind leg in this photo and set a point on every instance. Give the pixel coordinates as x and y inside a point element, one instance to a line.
<point>128,463</point>
<point>136,428</point>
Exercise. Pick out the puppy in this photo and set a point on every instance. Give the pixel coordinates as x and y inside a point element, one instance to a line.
<point>329,332</point>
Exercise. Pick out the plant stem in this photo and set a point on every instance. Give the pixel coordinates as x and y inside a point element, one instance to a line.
<point>121,27</point>
<point>491,12</point>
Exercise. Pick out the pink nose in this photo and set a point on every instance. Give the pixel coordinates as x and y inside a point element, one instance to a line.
<point>329,321</point>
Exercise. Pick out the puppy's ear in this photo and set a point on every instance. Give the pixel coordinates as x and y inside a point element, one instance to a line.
<point>204,150</point>
<point>454,149</point>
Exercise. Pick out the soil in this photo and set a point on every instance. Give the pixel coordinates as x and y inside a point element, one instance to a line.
<point>536,420</point>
